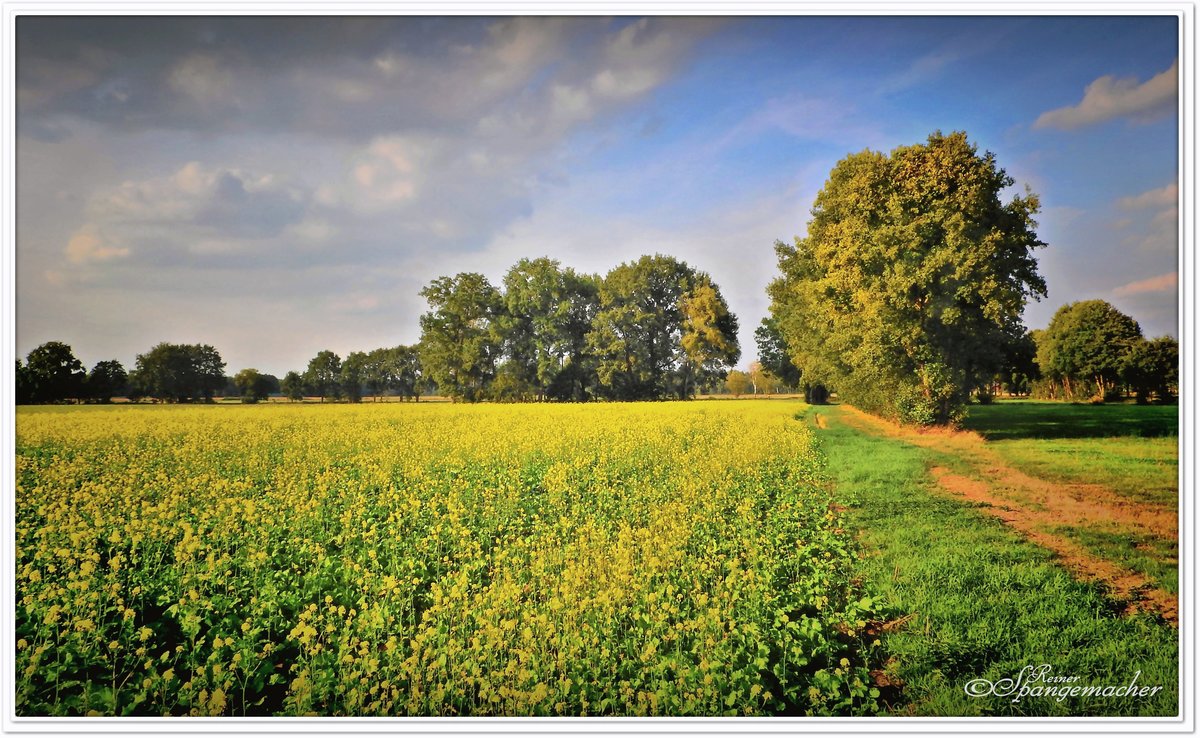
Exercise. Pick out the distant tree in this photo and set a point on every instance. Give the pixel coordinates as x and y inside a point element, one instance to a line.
<point>460,337</point>
<point>647,309</point>
<point>25,388</point>
<point>1152,368</point>
<point>179,373</point>
<point>407,376</point>
<point>292,386</point>
<point>576,377</point>
<point>708,336</point>
<point>253,385</point>
<point>911,280</point>
<point>324,375</point>
<point>106,380</point>
<point>773,354</point>
<point>1086,345</point>
<point>738,382</point>
<point>1020,369</point>
<point>760,379</point>
<point>354,374</point>
<point>511,384</point>
<point>535,305</point>
<point>54,374</point>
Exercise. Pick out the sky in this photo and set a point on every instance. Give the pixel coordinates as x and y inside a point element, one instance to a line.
<point>279,186</point>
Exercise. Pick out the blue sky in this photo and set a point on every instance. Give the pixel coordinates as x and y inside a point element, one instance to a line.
<point>275,187</point>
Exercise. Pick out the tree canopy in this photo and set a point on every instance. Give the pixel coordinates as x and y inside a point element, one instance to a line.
<point>912,278</point>
<point>51,373</point>
<point>661,329</point>
<point>178,373</point>
<point>649,329</point>
<point>1091,348</point>
<point>106,380</point>
<point>460,336</point>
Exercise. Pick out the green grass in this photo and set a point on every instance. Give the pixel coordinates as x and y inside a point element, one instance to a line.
<point>1014,419</point>
<point>984,602</point>
<point>1131,449</point>
<point>1150,556</point>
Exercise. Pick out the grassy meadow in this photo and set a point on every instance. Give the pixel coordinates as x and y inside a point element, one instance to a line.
<point>1130,449</point>
<point>982,600</point>
<point>741,558</point>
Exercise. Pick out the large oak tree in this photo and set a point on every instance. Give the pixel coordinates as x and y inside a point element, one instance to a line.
<point>912,278</point>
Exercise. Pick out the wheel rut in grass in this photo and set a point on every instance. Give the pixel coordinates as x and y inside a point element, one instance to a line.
<point>1035,506</point>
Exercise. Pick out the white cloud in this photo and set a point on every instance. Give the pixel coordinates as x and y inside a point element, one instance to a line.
<point>1110,97</point>
<point>1166,196</point>
<point>88,245</point>
<point>1153,222</point>
<point>197,209</point>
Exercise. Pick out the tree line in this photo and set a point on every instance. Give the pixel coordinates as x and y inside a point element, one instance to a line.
<point>650,329</point>
<point>905,297</point>
<point>1092,351</point>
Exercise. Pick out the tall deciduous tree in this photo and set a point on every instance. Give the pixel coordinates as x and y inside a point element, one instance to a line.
<point>324,375</point>
<point>252,384</point>
<point>1085,346</point>
<point>460,337</point>
<point>1152,367</point>
<point>708,336</point>
<point>912,279</point>
<point>179,372</point>
<point>647,309</point>
<point>737,382</point>
<point>53,374</point>
<point>773,353</point>
<point>292,386</point>
<point>107,379</point>
<point>535,302</point>
<point>354,373</point>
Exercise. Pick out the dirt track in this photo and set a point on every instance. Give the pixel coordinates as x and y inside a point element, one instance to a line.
<point>1036,506</point>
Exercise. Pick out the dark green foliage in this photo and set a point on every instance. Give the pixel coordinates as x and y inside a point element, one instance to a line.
<point>1152,368</point>
<point>1084,349</point>
<point>178,373</point>
<point>773,353</point>
<point>354,374</point>
<point>24,388</point>
<point>1020,369</point>
<point>292,386</point>
<point>650,329</point>
<point>324,375</point>
<point>662,329</point>
<point>460,335</point>
<point>51,374</point>
<point>106,380</point>
<point>911,282</point>
<point>253,385</point>
<point>396,369</point>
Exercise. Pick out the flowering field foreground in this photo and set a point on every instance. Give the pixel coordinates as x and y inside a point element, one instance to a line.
<point>672,558</point>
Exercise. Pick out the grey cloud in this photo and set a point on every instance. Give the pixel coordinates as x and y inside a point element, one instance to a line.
<point>195,209</point>
<point>350,160</point>
<point>352,78</point>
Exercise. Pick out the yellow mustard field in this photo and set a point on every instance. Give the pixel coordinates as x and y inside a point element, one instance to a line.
<point>432,559</point>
